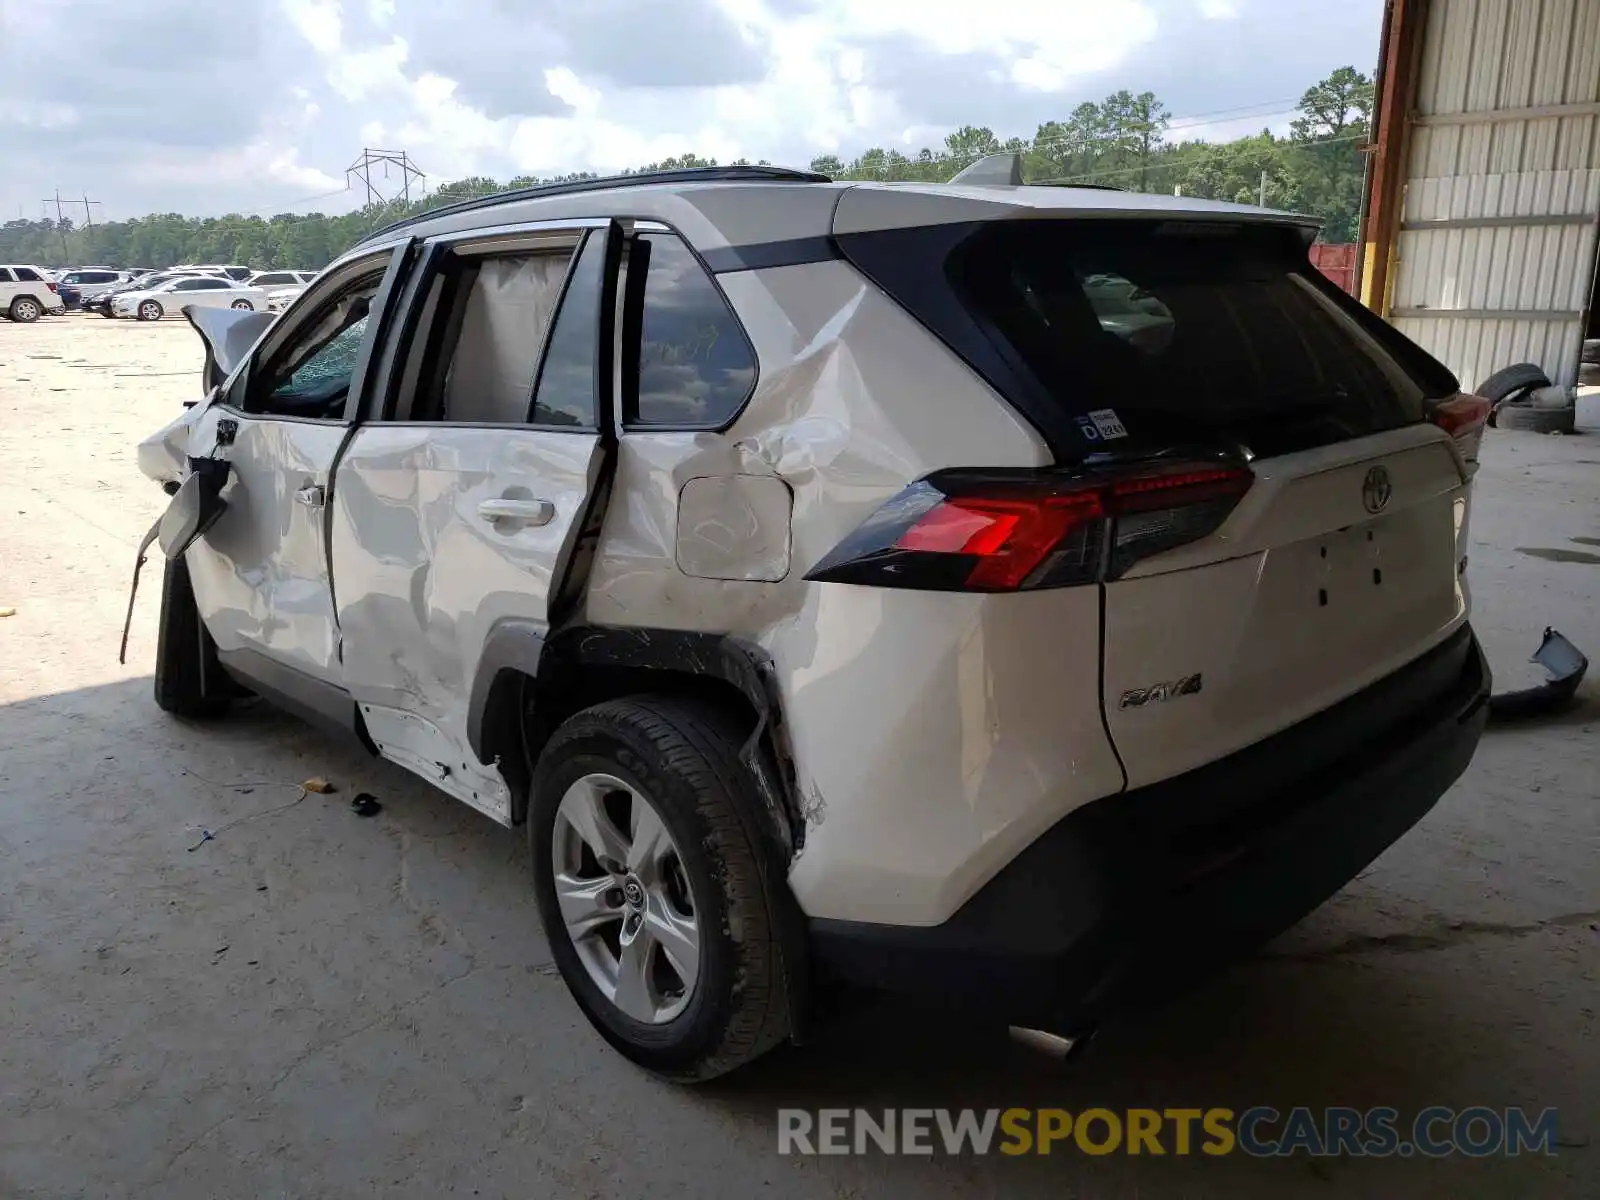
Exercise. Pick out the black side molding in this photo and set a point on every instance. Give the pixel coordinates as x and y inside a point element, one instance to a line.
<point>760,255</point>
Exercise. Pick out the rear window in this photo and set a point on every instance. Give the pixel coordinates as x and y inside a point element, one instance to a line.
<point>1145,334</point>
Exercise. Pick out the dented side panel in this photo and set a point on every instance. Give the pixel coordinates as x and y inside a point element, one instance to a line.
<point>261,572</point>
<point>934,736</point>
<point>424,566</point>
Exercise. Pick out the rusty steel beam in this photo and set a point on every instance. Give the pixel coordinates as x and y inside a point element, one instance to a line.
<point>1404,22</point>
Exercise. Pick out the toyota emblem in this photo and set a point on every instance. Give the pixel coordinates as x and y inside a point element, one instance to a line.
<point>1376,490</point>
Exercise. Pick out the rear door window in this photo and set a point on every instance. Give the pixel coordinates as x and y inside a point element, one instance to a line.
<point>694,367</point>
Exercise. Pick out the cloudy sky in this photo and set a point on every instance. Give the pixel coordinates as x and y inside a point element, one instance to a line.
<point>206,106</point>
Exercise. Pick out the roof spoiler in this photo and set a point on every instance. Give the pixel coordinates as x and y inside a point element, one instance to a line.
<point>995,170</point>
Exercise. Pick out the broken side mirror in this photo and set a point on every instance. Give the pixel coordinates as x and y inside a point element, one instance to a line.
<point>195,506</point>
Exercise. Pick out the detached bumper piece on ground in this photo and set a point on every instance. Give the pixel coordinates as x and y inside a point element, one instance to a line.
<point>1566,666</point>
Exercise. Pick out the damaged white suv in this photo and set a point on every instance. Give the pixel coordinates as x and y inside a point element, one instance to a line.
<point>1032,597</point>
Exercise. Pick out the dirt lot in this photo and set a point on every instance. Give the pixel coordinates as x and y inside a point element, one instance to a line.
<point>319,1005</point>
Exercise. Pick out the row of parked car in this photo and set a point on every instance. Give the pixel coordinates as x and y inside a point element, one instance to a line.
<point>28,292</point>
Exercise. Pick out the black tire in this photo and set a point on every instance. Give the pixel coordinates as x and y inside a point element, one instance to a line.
<point>684,756</point>
<point>1591,352</point>
<point>1528,419</point>
<point>1509,380</point>
<point>151,310</point>
<point>1589,375</point>
<point>186,657</point>
<point>243,304</point>
<point>25,310</point>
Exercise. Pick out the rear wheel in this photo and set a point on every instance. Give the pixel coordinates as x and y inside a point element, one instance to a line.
<point>26,310</point>
<point>648,875</point>
<point>186,657</point>
<point>151,310</point>
<point>244,304</point>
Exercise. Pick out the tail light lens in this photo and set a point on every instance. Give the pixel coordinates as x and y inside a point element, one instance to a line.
<point>1007,531</point>
<point>51,286</point>
<point>1463,417</point>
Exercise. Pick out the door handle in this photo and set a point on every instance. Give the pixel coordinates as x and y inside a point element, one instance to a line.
<point>311,495</point>
<point>526,512</point>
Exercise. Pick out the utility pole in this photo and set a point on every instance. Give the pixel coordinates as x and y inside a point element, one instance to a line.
<point>89,221</point>
<point>1263,189</point>
<point>408,170</point>
<point>61,222</point>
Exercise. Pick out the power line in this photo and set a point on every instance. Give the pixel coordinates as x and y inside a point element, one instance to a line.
<point>1349,137</point>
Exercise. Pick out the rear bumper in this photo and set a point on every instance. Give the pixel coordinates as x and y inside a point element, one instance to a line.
<point>1131,897</point>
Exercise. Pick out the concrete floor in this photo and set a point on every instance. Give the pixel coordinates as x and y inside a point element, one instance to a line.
<point>319,1005</point>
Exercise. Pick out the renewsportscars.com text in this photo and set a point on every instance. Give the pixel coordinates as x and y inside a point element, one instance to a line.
<point>1262,1132</point>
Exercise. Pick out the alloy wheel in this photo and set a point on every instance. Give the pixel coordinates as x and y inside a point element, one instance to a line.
<point>625,899</point>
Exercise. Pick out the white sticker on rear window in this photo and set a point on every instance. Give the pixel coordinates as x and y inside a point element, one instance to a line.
<point>1102,424</point>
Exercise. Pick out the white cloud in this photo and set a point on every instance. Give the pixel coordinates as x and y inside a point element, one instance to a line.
<point>320,22</point>
<point>1048,43</point>
<point>505,87</point>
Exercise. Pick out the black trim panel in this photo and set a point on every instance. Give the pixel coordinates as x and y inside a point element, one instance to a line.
<point>758,256</point>
<point>1132,897</point>
<point>513,645</point>
<point>575,650</point>
<point>313,700</point>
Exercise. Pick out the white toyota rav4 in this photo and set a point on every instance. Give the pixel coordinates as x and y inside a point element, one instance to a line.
<point>1028,596</point>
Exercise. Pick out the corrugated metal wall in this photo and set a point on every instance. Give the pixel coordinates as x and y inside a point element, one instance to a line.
<point>1502,196</point>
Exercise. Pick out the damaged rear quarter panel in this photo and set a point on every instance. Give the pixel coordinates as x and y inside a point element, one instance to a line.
<point>854,401</point>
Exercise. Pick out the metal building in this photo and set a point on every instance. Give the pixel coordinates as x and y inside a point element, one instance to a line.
<point>1480,239</point>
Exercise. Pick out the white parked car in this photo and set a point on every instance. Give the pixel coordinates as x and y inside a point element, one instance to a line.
<point>834,592</point>
<point>281,279</point>
<point>282,286</point>
<point>27,293</point>
<point>171,297</point>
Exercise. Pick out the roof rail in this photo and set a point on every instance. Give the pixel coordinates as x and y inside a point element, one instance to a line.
<point>730,174</point>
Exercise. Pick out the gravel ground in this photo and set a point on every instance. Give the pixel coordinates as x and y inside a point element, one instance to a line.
<point>319,1005</point>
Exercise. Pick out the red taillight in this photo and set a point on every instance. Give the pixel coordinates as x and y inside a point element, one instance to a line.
<point>51,286</point>
<point>1463,417</point>
<point>1002,531</point>
<point>1009,536</point>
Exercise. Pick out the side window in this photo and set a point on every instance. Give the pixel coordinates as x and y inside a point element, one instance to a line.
<point>695,367</point>
<point>566,393</point>
<point>186,285</point>
<point>208,285</point>
<point>485,348</point>
<point>5,274</point>
<point>310,374</point>
<point>27,275</point>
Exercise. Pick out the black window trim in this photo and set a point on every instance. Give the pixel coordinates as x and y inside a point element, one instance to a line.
<point>596,425</point>
<point>630,330</point>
